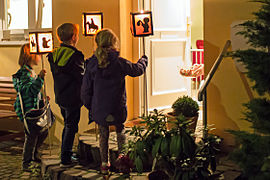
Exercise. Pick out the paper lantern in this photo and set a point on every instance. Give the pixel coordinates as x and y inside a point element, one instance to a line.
<point>92,23</point>
<point>40,42</point>
<point>141,23</point>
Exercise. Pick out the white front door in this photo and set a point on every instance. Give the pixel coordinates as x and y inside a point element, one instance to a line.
<point>168,51</point>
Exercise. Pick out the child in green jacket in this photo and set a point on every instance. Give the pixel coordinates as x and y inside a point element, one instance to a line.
<point>29,84</point>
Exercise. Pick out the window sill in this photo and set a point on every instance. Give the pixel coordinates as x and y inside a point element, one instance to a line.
<point>12,43</point>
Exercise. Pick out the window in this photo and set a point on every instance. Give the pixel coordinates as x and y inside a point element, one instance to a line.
<point>18,17</point>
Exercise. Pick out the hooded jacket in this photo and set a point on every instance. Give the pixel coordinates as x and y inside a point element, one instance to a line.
<point>103,89</point>
<point>29,84</point>
<point>67,66</point>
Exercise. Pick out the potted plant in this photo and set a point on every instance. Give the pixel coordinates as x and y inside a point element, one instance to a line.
<point>187,107</point>
<point>169,153</point>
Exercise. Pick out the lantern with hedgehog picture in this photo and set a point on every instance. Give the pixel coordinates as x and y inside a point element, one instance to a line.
<point>40,42</point>
<point>141,23</point>
<point>92,23</point>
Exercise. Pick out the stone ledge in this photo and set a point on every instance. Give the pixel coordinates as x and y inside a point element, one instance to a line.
<point>89,162</point>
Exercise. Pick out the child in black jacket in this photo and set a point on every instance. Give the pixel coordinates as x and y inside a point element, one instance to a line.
<point>67,66</point>
<point>104,92</point>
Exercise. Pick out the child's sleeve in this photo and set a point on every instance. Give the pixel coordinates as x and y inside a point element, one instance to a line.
<point>87,90</point>
<point>134,69</point>
<point>29,85</point>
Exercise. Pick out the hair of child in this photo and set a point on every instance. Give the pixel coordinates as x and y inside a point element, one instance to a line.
<point>66,31</point>
<point>106,40</point>
<point>25,56</point>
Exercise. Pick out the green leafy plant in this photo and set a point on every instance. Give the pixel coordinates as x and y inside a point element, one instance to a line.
<point>172,151</point>
<point>185,105</point>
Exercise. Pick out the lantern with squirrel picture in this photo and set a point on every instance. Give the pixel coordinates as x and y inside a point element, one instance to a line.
<point>40,42</point>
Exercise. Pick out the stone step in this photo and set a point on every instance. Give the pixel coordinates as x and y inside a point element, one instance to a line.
<point>89,161</point>
<point>51,170</point>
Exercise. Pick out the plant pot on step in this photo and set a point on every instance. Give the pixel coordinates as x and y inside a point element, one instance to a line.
<point>186,106</point>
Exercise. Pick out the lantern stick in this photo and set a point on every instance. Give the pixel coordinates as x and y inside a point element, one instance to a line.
<point>93,49</point>
<point>144,76</point>
<point>93,44</point>
<point>46,102</point>
<point>44,83</point>
<point>50,141</point>
<point>145,84</point>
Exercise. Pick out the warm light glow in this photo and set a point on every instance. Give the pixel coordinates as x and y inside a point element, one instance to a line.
<point>41,42</point>
<point>141,24</point>
<point>45,42</point>
<point>33,43</point>
<point>92,23</point>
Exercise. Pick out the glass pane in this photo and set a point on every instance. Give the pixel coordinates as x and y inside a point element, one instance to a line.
<point>169,14</point>
<point>47,13</point>
<point>17,14</point>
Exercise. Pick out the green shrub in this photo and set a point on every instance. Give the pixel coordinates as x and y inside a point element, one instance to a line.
<point>185,105</point>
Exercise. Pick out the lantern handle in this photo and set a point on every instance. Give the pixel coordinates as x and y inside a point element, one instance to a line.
<point>44,82</point>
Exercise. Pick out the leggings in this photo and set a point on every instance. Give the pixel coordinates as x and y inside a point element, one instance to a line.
<point>104,138</point>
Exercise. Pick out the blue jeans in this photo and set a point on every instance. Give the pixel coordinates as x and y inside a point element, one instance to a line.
<point>71,120</point>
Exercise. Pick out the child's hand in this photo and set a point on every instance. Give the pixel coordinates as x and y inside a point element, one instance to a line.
<point>145,57</point>
<point>48,98</point>
<point>42,73</point>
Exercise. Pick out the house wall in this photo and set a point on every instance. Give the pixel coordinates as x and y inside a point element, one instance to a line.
<point>8,66</point>
<point>196,13</point>
<point>67,11</point>
<point>71,11</point>
<point>116,17</point>
<point>229,89</point>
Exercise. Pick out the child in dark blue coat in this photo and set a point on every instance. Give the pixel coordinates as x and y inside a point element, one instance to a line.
<point>103,89</point>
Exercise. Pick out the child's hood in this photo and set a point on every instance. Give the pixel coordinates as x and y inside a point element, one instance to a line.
<point>112,67</point>
<point>62,55</point>
<point>21,72</point>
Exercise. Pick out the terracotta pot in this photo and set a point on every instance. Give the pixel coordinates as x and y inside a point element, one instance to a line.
<point>171,117</point>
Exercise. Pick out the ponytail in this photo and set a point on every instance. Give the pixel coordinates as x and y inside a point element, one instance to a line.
<point>106,40</point>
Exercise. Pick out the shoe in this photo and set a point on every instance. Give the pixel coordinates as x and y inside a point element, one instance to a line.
<point>67,164</point>
<point>74,157</point>
<point>104,168</point>
<point>26,168</point>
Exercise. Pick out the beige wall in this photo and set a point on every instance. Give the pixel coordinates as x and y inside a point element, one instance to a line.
<point>196,13</point>
<point>227,91</point>
<point>71,11</point>
<point>9,60</point>
<point>126,50</point>
<point>8,66</point>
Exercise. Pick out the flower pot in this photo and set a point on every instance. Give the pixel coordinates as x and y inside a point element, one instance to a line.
<point>171,118</point>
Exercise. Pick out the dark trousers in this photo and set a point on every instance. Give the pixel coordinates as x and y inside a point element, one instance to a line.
<point>104,140</point>
<point>31,146</point>
<point>71,120</point>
